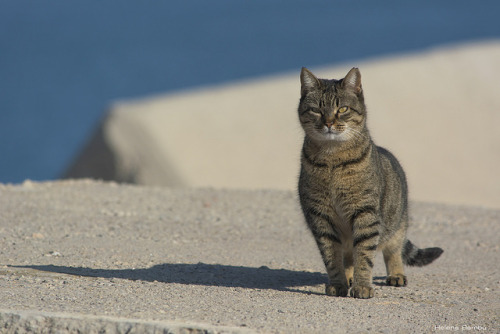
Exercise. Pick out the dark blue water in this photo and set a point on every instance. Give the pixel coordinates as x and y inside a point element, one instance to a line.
<point>62,62</point>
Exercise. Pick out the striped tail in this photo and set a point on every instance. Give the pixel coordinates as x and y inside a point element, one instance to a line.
<point>414,256</point>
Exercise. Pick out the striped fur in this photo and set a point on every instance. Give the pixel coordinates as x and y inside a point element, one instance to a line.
<point>353,193</point>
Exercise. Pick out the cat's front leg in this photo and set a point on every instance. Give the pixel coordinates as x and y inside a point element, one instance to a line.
<point>331,252</point>
<point>329,242</point>
<point>366,238</point>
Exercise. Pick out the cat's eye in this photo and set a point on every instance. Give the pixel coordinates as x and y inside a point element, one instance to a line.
<point>343,110</point>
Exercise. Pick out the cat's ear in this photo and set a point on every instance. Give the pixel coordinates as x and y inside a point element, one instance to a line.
<point>308,81</point>
<point>352,81</point>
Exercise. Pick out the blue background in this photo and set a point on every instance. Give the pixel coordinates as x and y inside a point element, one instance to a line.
<point>63,62</point>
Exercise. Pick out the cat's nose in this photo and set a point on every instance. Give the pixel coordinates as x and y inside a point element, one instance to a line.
<point>329,124</point>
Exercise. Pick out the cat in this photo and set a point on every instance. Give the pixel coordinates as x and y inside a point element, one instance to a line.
<point>353,194</point>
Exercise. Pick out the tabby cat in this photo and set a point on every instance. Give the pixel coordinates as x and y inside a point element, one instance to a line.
<point>353,193</point>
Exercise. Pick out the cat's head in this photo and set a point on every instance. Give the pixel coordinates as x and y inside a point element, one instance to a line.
<point>332,110</point>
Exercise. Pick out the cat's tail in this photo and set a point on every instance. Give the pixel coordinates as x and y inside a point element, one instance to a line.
<point>414,256</point>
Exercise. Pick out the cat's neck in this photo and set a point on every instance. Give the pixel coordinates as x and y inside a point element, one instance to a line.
<point>333,151</point>
<point>338,146</point>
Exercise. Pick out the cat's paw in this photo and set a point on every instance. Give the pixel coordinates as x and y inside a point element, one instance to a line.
<point>364,292</point>
<point>336,290</point>
<point>396,280</point>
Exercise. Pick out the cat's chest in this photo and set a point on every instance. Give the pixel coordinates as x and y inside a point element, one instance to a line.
<point>340,183</point>
<point>335,194</point>
<point>341,191</point>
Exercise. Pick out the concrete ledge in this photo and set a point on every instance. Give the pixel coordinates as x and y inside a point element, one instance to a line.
<point>103,257</point>
<point>437,111</point>
<point>46,322</point>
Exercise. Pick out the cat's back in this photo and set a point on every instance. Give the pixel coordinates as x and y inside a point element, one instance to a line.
<point>394,203</point>
<point>390,163</point>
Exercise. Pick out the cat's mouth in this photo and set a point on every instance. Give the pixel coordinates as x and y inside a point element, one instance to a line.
<point>331,136</point>
<point>330,133</point>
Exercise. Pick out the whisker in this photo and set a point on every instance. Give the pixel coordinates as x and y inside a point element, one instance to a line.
<point>355,133</point>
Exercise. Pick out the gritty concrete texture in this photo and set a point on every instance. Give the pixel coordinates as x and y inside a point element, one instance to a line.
<point>437,110</point>
<point>45,322</point>
<point>94,255</point>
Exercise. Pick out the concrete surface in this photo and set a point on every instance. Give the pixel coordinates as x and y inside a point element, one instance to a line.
<point>47,322</point>
<point>437,111</point>
<point>115,258</point>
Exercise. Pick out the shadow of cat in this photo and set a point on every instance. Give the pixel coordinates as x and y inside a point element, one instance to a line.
<point>202,274</point>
